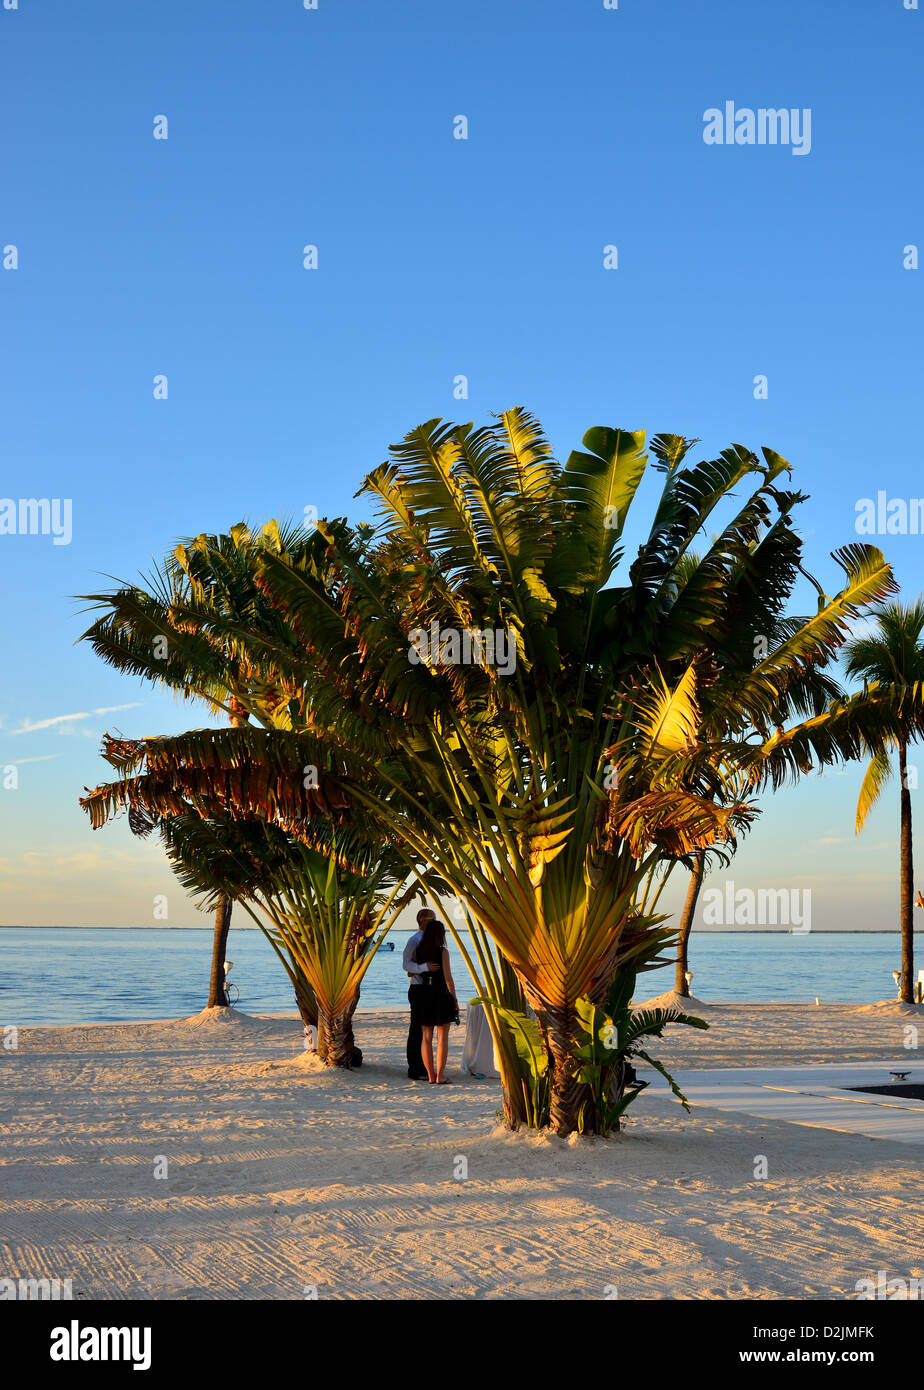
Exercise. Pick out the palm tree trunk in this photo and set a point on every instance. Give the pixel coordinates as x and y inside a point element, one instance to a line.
<point>217,996</point>
<point>335,1036</point>
<point>513,1105</point>
<point>907,883</point>
<point>567,1092</point>
<point>686,923</point>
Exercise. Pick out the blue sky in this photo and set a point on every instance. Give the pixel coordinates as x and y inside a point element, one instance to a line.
<point>437,258</point>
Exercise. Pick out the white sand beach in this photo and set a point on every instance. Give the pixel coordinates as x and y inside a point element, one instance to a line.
<point>283,1179</point>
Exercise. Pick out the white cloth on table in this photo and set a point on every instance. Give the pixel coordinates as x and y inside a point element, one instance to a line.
<point>478,1055</point>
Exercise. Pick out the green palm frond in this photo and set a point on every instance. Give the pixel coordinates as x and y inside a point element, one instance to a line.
<point>668,719</point>
<point>875,778</point>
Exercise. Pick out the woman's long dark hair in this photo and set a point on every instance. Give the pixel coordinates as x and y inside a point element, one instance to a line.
<point>430,946</point>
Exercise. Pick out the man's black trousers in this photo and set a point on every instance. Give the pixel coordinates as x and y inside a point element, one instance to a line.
<point>415,1066</point>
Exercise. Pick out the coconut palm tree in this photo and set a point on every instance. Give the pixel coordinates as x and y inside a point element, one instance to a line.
<point>893,656</point>
<point>155,630</point>
<point>685,923</point>
<point>631,728</point>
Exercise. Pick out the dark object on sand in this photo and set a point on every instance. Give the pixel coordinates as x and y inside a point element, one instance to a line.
<point>909,1092</point>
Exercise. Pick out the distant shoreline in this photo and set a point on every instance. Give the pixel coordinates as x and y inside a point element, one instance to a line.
<point>698,931</point>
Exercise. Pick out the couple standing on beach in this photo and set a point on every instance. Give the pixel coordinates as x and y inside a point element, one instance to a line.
<point>432,997</point>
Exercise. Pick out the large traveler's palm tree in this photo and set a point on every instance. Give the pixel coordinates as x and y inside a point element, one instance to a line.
<point>893,656</point>
<point>634,728</point>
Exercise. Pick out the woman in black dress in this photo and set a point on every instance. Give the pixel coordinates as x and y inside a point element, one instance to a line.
<point>439,1007</point>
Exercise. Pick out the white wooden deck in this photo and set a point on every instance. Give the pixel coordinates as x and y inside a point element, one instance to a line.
<point>814,1096</point>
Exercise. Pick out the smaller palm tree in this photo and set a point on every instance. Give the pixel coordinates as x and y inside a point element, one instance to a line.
<point>159,630</point>
<point>893,655</point>
<point>325,909</point>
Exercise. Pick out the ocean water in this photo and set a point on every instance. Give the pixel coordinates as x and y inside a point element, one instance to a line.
<point>105,975</point>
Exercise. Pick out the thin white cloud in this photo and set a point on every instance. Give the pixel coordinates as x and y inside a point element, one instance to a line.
<point>31,726</point>
<point>857,841</point>
<point>46,757</point>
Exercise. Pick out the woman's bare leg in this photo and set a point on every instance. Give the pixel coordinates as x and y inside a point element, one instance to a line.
<point>426,1052</point>
<point>442,1049</point>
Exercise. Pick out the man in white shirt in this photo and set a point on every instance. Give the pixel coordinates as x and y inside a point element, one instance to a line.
<point>415,1067</point>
